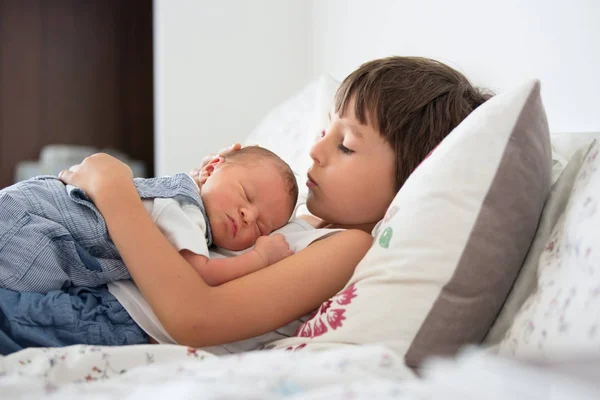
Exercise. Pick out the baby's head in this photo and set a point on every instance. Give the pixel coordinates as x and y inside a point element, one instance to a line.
<point>247,194</point>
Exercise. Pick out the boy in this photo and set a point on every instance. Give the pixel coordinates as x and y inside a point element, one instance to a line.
<point>53,237</point>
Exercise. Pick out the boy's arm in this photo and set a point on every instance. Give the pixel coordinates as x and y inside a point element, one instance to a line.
<point>216,271</point>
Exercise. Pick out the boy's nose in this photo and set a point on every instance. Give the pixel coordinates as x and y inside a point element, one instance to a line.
<point>317,151</point>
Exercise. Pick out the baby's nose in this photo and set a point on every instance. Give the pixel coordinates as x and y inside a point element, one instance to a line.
<point>248,214</point>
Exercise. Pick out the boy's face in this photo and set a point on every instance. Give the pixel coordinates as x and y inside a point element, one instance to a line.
<point>352,179</point>
<point>244,201</point>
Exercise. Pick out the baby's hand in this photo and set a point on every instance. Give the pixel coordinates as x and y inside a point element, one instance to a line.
<point>272,248</point>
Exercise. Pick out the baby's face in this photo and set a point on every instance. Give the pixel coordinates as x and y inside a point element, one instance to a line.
<point>244,202</point>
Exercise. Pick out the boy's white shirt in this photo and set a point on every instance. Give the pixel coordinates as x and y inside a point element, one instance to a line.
<point>184,227</point>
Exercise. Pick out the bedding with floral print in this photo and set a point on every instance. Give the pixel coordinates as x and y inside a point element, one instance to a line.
<point>562,317</point>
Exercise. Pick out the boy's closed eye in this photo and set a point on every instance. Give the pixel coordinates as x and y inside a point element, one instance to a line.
<point>344,149</point>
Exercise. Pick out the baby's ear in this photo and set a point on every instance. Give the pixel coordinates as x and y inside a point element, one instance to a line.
<point>209,168</point>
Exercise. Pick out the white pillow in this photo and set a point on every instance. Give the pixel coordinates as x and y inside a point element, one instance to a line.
<point>562,317</point>
<point>452,241</point>
<point>292,127</point>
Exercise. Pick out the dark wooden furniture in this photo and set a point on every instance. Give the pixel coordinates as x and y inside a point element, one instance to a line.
<point>75,72</point>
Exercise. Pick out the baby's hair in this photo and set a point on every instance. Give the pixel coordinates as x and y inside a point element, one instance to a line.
<point>256,154</point>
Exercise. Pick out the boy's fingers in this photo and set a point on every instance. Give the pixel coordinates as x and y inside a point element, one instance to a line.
<point>223,152</point>
<point>229,149</point>
<point>64,175</point>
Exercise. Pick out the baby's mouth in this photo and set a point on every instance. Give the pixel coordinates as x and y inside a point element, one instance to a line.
<point>232,226</point>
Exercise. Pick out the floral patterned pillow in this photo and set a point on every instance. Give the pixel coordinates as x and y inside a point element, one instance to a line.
<point>562,317</point>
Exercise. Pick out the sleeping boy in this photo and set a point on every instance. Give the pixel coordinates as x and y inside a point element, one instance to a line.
<point>53,237</point>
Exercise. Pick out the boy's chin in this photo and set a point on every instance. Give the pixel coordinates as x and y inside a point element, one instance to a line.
<point>318,210</point>
<point>312,205</point>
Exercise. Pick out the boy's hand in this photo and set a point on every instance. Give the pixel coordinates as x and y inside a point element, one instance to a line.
<point>272,248</point>
<point>98,173</point>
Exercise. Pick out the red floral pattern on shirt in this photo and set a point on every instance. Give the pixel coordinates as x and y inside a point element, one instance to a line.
<point>329,316</point>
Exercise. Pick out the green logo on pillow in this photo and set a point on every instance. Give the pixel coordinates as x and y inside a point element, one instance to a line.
<point>386,236</point>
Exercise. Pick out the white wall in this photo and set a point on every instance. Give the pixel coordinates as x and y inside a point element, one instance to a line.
<point>219,67</point>
<point>495,43</point>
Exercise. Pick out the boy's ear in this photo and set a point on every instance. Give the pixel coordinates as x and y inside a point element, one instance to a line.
<point>209,168</point>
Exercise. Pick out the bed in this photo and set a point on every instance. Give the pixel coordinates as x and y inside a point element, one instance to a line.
<point>530,342</point>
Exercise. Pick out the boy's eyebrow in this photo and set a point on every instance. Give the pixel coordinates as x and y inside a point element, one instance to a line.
<point>356,132</point>
<point>355,129</point>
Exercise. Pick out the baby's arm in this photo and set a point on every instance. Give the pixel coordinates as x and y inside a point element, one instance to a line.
<point>216,271</point>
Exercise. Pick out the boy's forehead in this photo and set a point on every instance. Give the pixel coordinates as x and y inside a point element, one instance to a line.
<point>348,112</point>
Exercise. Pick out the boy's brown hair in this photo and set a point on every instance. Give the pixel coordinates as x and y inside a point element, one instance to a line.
<point>413,102</point>
<point>256,154</point>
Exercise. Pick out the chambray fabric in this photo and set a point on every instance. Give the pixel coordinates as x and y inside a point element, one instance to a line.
<point>53,237</point>
<point>59,318</point>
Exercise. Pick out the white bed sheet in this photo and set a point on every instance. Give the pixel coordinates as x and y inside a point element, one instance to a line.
<point>351,372</point>
<point>152,371</point>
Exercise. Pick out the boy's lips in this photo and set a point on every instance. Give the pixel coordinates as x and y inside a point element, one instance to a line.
<point>232,226</point>
<point>311,182</point>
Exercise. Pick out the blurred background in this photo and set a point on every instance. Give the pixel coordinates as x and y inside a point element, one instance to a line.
<point>74,73</point>
<point>163,83</point>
